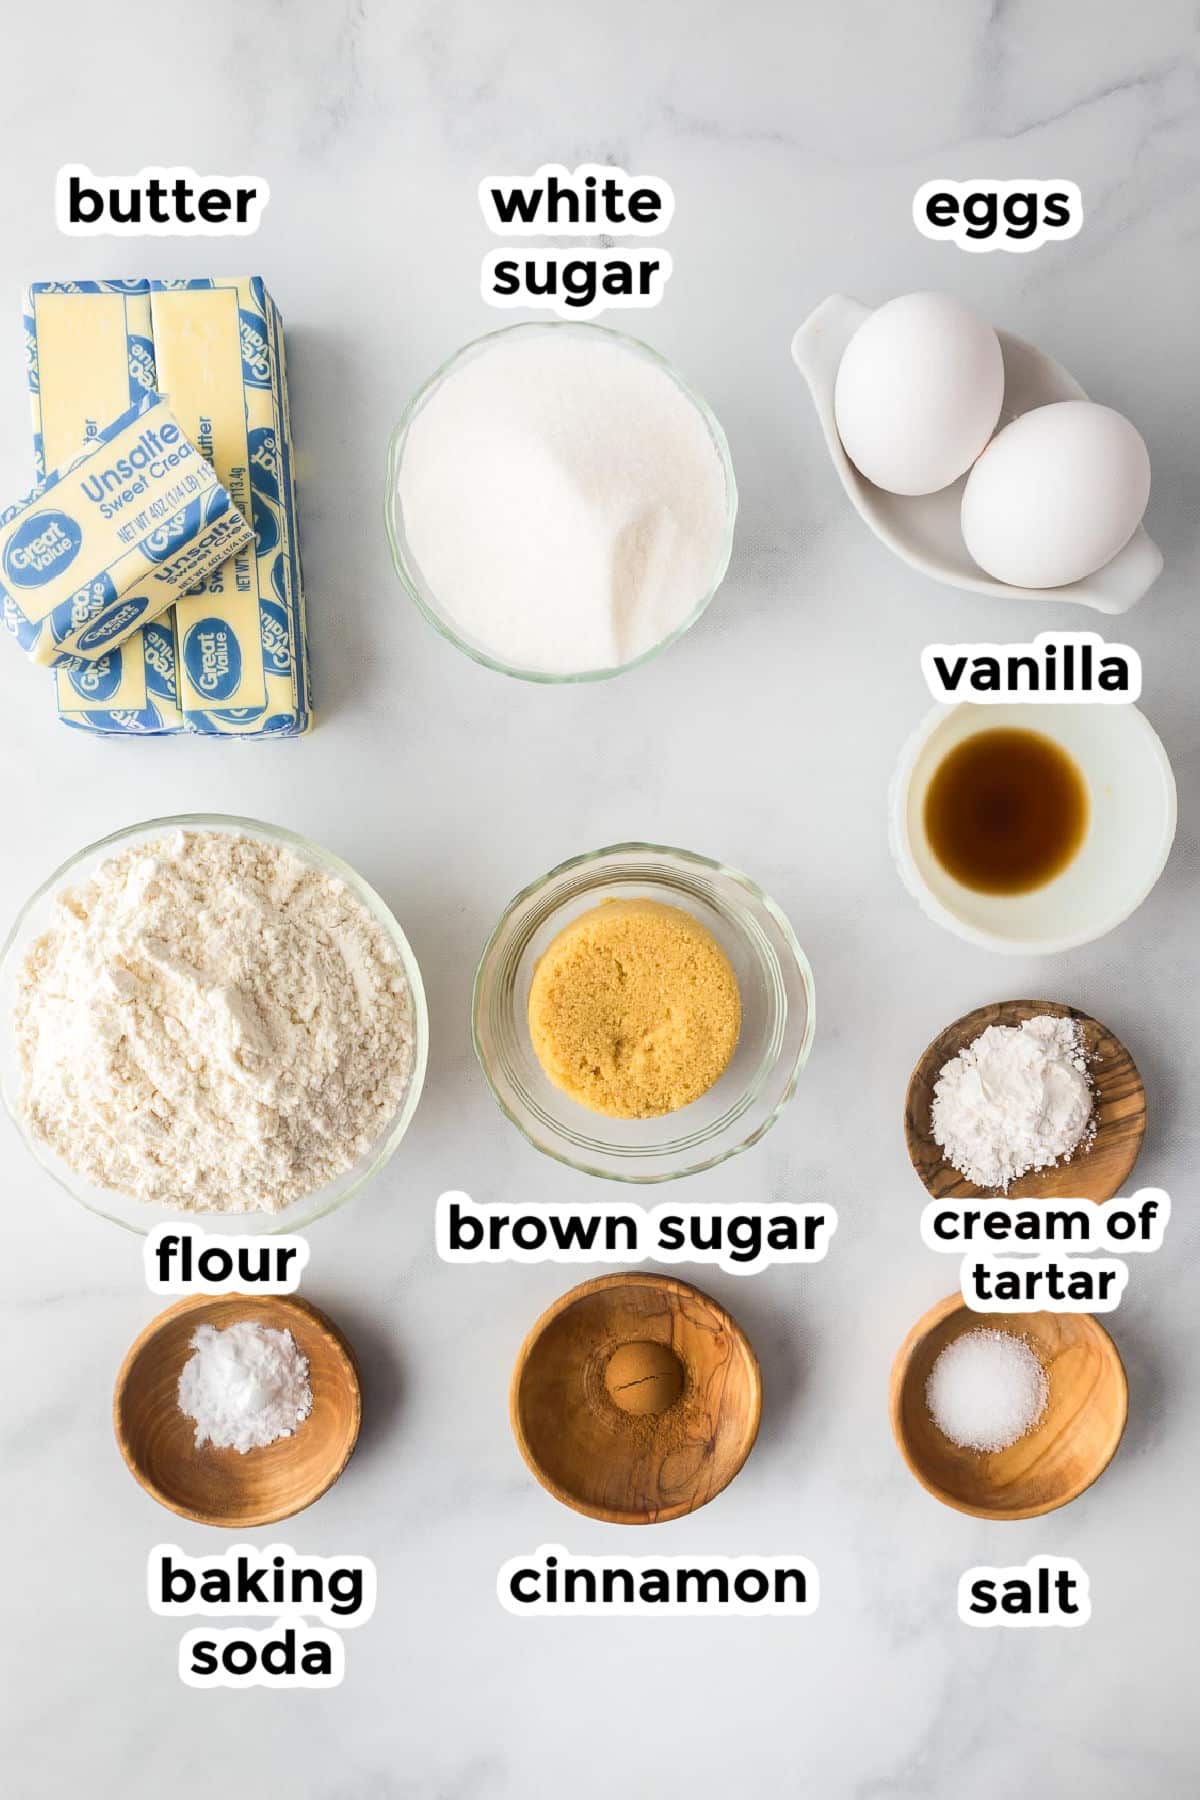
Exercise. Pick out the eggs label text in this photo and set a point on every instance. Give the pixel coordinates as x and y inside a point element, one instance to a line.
<point>998,215</point>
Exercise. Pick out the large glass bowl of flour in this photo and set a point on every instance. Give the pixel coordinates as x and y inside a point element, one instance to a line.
<point>138,1215</point>
<point>560,503</point>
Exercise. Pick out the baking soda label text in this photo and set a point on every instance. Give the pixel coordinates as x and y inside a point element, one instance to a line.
<point>1024,1277</point>
<point>288,1654</point>
<point>186,1259</point>
<point>1047,1590</point>
<point>998,215</point>
<point>593,200</point>
<point>1058,667</point>
<point>337,1591</point>
<point>740,1239</point>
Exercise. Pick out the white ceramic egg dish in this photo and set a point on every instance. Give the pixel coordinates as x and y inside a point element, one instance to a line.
<point>1089,459</point>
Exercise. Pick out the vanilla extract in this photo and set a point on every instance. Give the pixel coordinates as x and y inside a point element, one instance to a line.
<point>1006,811</point>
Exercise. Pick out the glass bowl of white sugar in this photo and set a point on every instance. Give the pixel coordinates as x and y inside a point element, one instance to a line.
<point>210,1018</point>
<point>560,503</point>
<point>777,1023</point>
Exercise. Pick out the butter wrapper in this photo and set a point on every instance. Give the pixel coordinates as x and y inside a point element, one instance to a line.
<point>88,358</point>
<point>111,539</point>
<point>241,639</point>
<point>89,355</point>
<point>126,691</point>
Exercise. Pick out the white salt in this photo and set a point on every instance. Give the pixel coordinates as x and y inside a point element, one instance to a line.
<point>986,1390</point>
<point>564,501</point>
<point>245,1386</point>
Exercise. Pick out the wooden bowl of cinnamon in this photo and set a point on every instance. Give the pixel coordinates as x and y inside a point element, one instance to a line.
<point>635,1398</point>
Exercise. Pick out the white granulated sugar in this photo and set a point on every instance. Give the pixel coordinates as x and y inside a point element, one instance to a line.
<point>245,1386</point>
<point>1016,1099</point>
<point>986,1390</point>
<point>564,501</point>
<point>212,1024</point>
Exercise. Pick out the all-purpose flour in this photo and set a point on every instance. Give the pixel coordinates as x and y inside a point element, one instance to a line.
<point>212,1024</point>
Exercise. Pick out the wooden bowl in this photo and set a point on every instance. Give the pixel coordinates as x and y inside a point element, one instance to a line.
<point>1072,1445</point>
<point>229,1487</point>
<point>1095,1173</point>
<point>635,1398</point>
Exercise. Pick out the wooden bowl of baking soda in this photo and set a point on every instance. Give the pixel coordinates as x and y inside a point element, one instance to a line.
<point>256,1366</point>
<point>635,1398</point>
<point>1007,1415</point>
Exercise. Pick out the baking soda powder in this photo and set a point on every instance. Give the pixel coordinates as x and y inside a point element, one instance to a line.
<point>245,1386</point>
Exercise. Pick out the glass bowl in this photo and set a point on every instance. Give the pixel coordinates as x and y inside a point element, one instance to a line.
<point>406,564</point>
<point>140,1216</point>
<point>777,1015</point>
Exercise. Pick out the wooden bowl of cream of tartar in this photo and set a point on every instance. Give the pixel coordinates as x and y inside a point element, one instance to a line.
<point>635,1398</point>
<point>230,1487</point>
<point>1096,1171</point>
<point>1065,1452</point>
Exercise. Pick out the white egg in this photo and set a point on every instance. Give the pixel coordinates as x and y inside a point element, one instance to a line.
<point>918,393</point>
<point>1056,494</point>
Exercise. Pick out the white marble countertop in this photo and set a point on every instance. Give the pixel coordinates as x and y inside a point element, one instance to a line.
<point>794,138</point>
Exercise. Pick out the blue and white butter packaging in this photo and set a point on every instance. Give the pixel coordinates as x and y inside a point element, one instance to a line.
<point>129,691</point>
<point>235,652</point>
<point>112,538</point>
<point>89,355</point>
<point>242,644</point>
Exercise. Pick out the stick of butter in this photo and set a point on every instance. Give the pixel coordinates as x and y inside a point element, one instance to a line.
<point>243,654</point>
<point>126,691</point>
<point>291,580</point>
<point>89,354</point>
<point>111,539</point>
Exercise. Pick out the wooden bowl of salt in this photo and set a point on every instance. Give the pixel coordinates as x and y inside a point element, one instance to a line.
<point>1068,1448</point>
<point>227,1486</point>
<point>635,1398</point>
